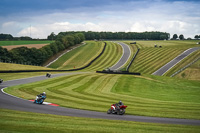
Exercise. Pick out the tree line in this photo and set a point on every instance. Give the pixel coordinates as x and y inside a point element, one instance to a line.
<point>91,35</point>
<point>9,37</point>
<point>33,56</point>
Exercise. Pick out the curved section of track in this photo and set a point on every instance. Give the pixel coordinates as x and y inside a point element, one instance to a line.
<point>10,102</point>
<point>175,61</point>
<point>124,58</point>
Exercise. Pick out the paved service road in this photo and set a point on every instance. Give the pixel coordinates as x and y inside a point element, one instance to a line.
<point>14,103</point>
<point>124,58</point>
<point>173,62</point>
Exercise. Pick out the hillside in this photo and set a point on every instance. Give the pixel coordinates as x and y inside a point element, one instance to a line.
<point>151,58</point>
<point>78,57</point>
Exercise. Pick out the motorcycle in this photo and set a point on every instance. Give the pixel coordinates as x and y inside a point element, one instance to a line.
<point>120,110</point>
<point>1,81</point>
<point>40,99</point>
<point>48,75</point>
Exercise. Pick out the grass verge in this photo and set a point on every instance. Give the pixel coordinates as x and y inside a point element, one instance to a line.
<point>17,121</point>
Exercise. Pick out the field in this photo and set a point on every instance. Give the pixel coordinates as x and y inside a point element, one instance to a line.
<point>9,43</point>
<point>26,45</point>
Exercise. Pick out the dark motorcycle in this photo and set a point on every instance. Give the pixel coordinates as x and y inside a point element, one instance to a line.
<point>1,81</point>
<point>40,99</point>
<point>115,109</point>
<point>48,75</point>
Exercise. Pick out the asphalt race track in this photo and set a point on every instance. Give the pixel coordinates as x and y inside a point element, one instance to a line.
<point>173,62</point>
<point>124,58</point>
<point>10,102</point>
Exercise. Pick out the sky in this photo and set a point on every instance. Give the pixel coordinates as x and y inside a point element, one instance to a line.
<point>39,18</point>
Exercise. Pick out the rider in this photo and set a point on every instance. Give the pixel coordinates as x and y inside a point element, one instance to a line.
<point>120,103</point>
<point>48,75</point>
<point>117,105</point>
<point>42,94</point>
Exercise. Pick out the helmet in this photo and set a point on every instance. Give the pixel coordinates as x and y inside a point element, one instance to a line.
<point>120,102</point>
<point>44,93</point>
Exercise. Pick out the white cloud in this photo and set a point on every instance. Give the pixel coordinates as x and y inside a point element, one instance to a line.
<point>172,17</point>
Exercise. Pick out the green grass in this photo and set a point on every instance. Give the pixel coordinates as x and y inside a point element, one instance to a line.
<point>147,96</point>
<point>151,59</point>
<point>12,76</point>
<point>111,55</point>
<point>7,43</point>
<point>191,73</point>
<point>79,57</point>
<point>83,55</point>
<point>17,121</point>
<point>11,66</point>
<point>168,43</point>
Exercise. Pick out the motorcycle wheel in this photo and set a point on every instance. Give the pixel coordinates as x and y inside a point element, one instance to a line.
<point>122,112</point>
<point>41,101</point>
<point>109,111</point>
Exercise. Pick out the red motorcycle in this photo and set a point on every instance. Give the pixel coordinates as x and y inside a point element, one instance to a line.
<point>117,109</point>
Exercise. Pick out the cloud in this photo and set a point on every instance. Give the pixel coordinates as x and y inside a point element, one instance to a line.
<point>115,15</point>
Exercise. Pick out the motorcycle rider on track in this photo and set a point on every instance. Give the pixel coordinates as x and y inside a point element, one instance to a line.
<point>42,94</point>
<point>117,105</point>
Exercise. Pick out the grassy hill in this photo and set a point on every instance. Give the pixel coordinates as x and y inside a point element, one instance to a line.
<point>111,55</point>
<point>148,96</point>
<point>79,57</point>
<point>151,59</point>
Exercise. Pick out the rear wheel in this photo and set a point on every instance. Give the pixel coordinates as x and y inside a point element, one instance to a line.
<point>122,111</point>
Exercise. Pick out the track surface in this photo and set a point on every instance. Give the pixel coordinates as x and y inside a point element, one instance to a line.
<point>173,62</point>
<point>11,102</point>
<point>124,58</point>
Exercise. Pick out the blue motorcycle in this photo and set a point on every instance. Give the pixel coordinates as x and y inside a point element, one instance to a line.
<point>40,99</point>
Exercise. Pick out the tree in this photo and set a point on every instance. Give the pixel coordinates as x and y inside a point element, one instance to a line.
<point>4,55</point>
<point>175,36</point>
<point>197,36</point>
<point>6,37</point>
<point>52,36</point>
<point>181,37</point>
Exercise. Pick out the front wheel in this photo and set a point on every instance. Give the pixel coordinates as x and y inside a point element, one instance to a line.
<point>109,111</point>
<point>41,101</point>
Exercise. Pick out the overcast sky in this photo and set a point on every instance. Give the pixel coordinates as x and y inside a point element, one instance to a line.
<point>38,18</point>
